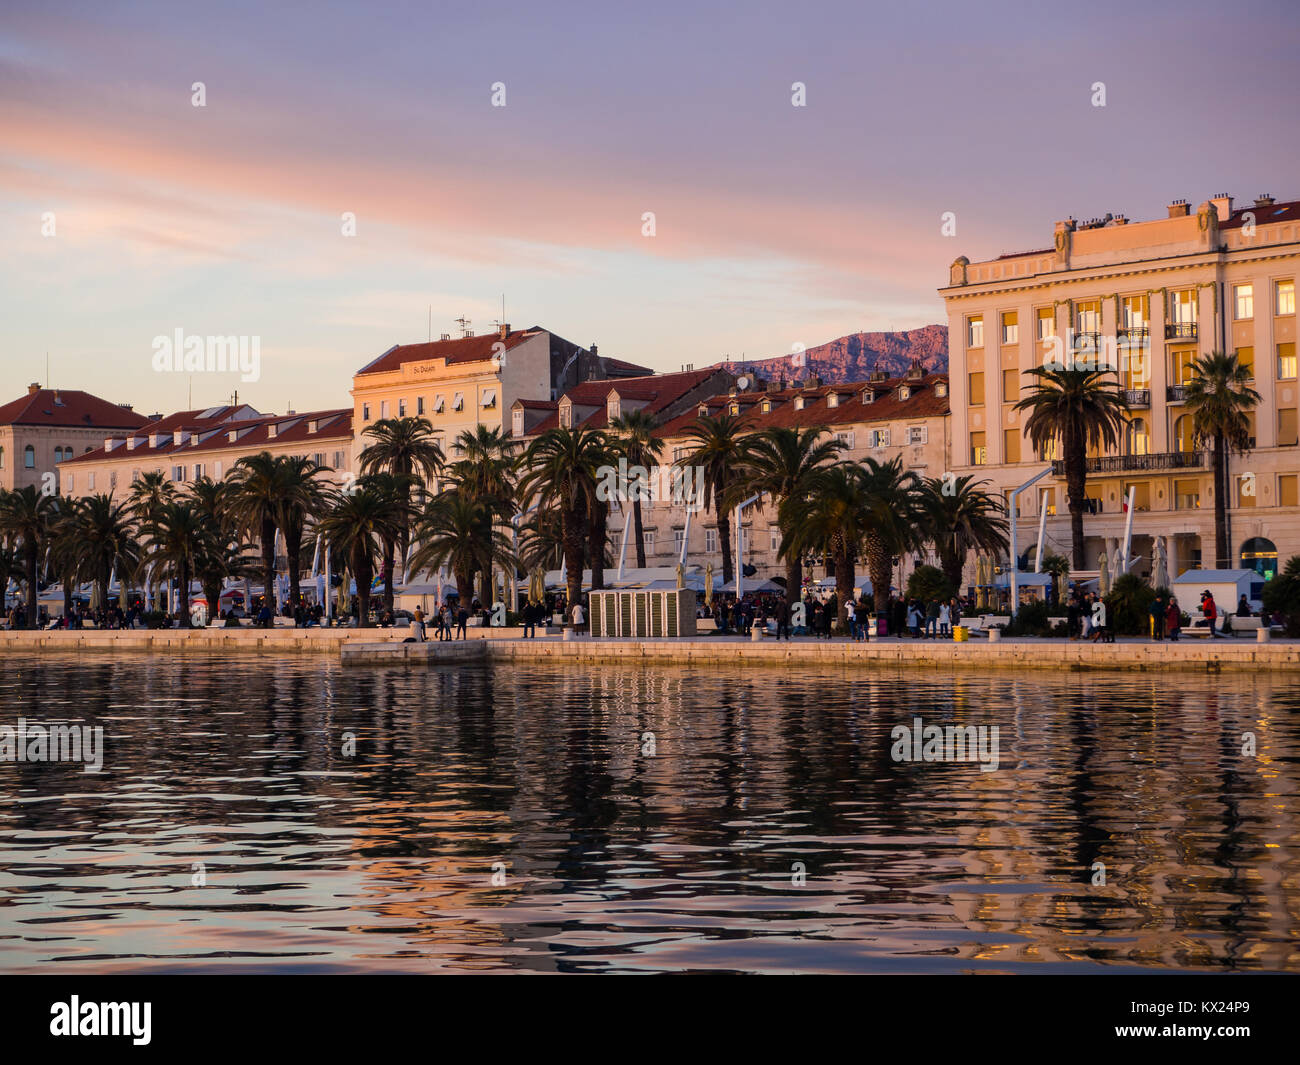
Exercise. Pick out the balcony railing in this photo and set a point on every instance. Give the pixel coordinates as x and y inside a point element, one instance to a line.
<point>1133,331</point>
<point>1087,341</point>
<point>1164,460</point>
<point>1175,393</point>
<point>1180,331</point>
<point>1137,397</point>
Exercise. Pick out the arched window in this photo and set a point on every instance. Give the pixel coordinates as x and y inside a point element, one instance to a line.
<point>1139,437</point>
<point>29,457</point>
<point>1184,434</point>
<point>1260,555</point>
<point>58,454</point>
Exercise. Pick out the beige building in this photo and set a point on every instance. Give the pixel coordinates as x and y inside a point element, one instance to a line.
<point>1157,295</point>
<point>48,426</point>
<point>191,444</point>
<point>468,381</point>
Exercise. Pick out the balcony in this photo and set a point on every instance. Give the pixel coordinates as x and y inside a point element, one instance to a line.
<point>1134,332</point>
<point>1164,460</point>
<point>1087,341</point>
<point>1175,393</point>
<point>1180,331</point>
<point>1137,397</point>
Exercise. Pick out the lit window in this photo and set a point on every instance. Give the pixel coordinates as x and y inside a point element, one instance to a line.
<point>1286,365</point>
<point>1244,296</point>
<point>1046,323</point>
<point>978,450</point>
<point>1285,297</point>
<point>975,331</point>
<point>1010,327</point>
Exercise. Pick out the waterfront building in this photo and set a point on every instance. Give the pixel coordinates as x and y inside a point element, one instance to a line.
<point>48,426</point>
<point>1160,293</point>
<point>461,383</point>
<point>187,445</point>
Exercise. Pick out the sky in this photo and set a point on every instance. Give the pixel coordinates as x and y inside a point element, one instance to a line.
<point>127,212</point>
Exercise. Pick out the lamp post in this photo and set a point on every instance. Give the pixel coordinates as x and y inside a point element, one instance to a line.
<point>1015,556</point>
<point>740,549</point>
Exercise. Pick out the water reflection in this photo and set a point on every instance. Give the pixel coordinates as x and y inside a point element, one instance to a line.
<point>650,820</point>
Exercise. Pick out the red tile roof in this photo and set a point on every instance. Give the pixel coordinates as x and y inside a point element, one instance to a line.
<point>68,408</point>
<point>459,350</point>
<point>923,403</point>
<point>656,392</point>
<point>1277,212</point>
<point>622,366</point>
<point>214,432</point>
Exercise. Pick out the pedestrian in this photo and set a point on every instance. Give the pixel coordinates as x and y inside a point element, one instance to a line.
<point>462,618</point>
<point>863,613</point>
<point>945,620</point>
<point>1173,619</point>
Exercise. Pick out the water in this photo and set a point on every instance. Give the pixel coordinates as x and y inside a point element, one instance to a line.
<point>616,858</point>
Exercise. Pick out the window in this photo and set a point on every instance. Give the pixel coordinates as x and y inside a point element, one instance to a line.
<point>1006,502</point>
<point>1088,317</point>
<point>904,393</point>
<point>648,538</point>
<point>338,460</point>
<point>29,457</point>
<point>1138,437</point>
<point>1010,386</point>
<point>976,387</point>
<point>1047,501</point>
<point>383,408</point>
<point>365,412</point>
<point>178,473</point>
<point>679,538</point>
<point>401,408</point>
<point>198,470</point>
<point>1010,327</point>
<point>1134,312</point>
<point>1046,323</point>
<point>832,399</point>
<point>917,434</point>
<point>1184,434</point>
<point>1246,490</point>
<point>1244,301</point>
<point>488,399</point>
<point>1286,360</point>
<point>845,438</point>
<point>2,458</point>
<point>879,438</point>
<point>1287,489</point>
<point>438,404</point>
<point>318,458</point>
<point>90,481</point>
<point>1048,452</point>
<point>1141,495</point>
<point>766,406</point>
<point>1246,356</point>
<point>975,331</point>
<point>458,401</point>
<point>517,423</point>
<point>419,404</point>
<point>1011,445</point>
<point>1285,297</point>
<point>1286,427</point>
<point>1182,307</point>
<point>710,541</point>
<point>1187,495</point>
<point>774,538</point>
<point>978,451</point>
<point>798,402</point>
<point>566,415</point>
<point>1183,360</point>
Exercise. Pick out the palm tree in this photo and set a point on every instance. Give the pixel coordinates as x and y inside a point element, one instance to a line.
<point>148,492</point>
<point>635,442</point>
<point>960,517</point>
<point>893,517</point>
<point>26,517</point>
<point>176,538</point>
<point>1220,399</point>
<point>456,531</point>
<point>302,497</point>
<point>397,488</point>
<point>224,554</point>
<point>722,454</point>
<point>101,538</point>
<point>561,468</point>
<point>403,447</point>
<point>485,473</point>
<point>1083,408</point>
<point>783,465</point>
<point>829,519</point>
<point>354,524</point>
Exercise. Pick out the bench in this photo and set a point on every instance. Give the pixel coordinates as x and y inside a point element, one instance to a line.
<point>1245,625</point>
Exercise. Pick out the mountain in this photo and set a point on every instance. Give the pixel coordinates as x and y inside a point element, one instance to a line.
<point>853,357</point>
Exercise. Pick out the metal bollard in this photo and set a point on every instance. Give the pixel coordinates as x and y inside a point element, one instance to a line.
<point>995,635</point>
<point>1263,636</point>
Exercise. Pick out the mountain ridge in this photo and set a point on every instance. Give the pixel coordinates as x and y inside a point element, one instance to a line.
<point>855,356</point>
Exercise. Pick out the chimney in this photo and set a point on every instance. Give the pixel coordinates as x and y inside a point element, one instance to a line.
<point>33,388</point>
<point>1223,204</point>
<point>504,330</point>
<point>1264,200</point>
<point>1179,209</point>
<point>593,349</point>
<point>125,406</point>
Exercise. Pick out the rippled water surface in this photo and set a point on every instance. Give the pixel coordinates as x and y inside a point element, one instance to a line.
<point>598,819</point>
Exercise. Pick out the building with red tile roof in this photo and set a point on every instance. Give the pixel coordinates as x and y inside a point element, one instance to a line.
<point>48,425</point>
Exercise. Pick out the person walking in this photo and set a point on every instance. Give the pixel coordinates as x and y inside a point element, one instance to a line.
<point>579,618</point>
<point>932,619</point>
<point>1173,619</point>
<point>462,618</point>
<point>530,621</point>
<point>945,620</point>
<point>863,613</point>
<point>782,618</point>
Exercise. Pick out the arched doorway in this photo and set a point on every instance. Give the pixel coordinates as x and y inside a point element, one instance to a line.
<point>1260,555</point>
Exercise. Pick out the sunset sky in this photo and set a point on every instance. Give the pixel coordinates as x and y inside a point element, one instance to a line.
<point>775,224</point>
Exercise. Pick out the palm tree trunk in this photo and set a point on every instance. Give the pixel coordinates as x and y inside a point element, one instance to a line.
<point>793,577</point>
<point>1076,478</point>
<point>878,566</point>
<point>32,562</point>
<point>724,539</point>
<point>638,530</point>
<point>950,561</point>
<point>390,550</point>
<point>361,567</point>
<point>268,563</point>
<point>293,545</point>
<point>597,535</point>
<point>1221,553</point>
<point>464,586</point>
<point>183,592</point>
<point>843,581</point>
<point>571,526</point>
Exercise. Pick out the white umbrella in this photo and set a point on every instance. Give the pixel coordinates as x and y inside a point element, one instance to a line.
<point>1103,574</point>
<point>1160,574</point>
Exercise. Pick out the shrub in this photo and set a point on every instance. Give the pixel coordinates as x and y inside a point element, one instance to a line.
<point>1031,620</point>
<point>928,582</point>
<point>1128,606</point>
<point>1282,594</point>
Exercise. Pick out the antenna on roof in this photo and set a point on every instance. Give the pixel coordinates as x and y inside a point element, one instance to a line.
<point>465,323</point>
